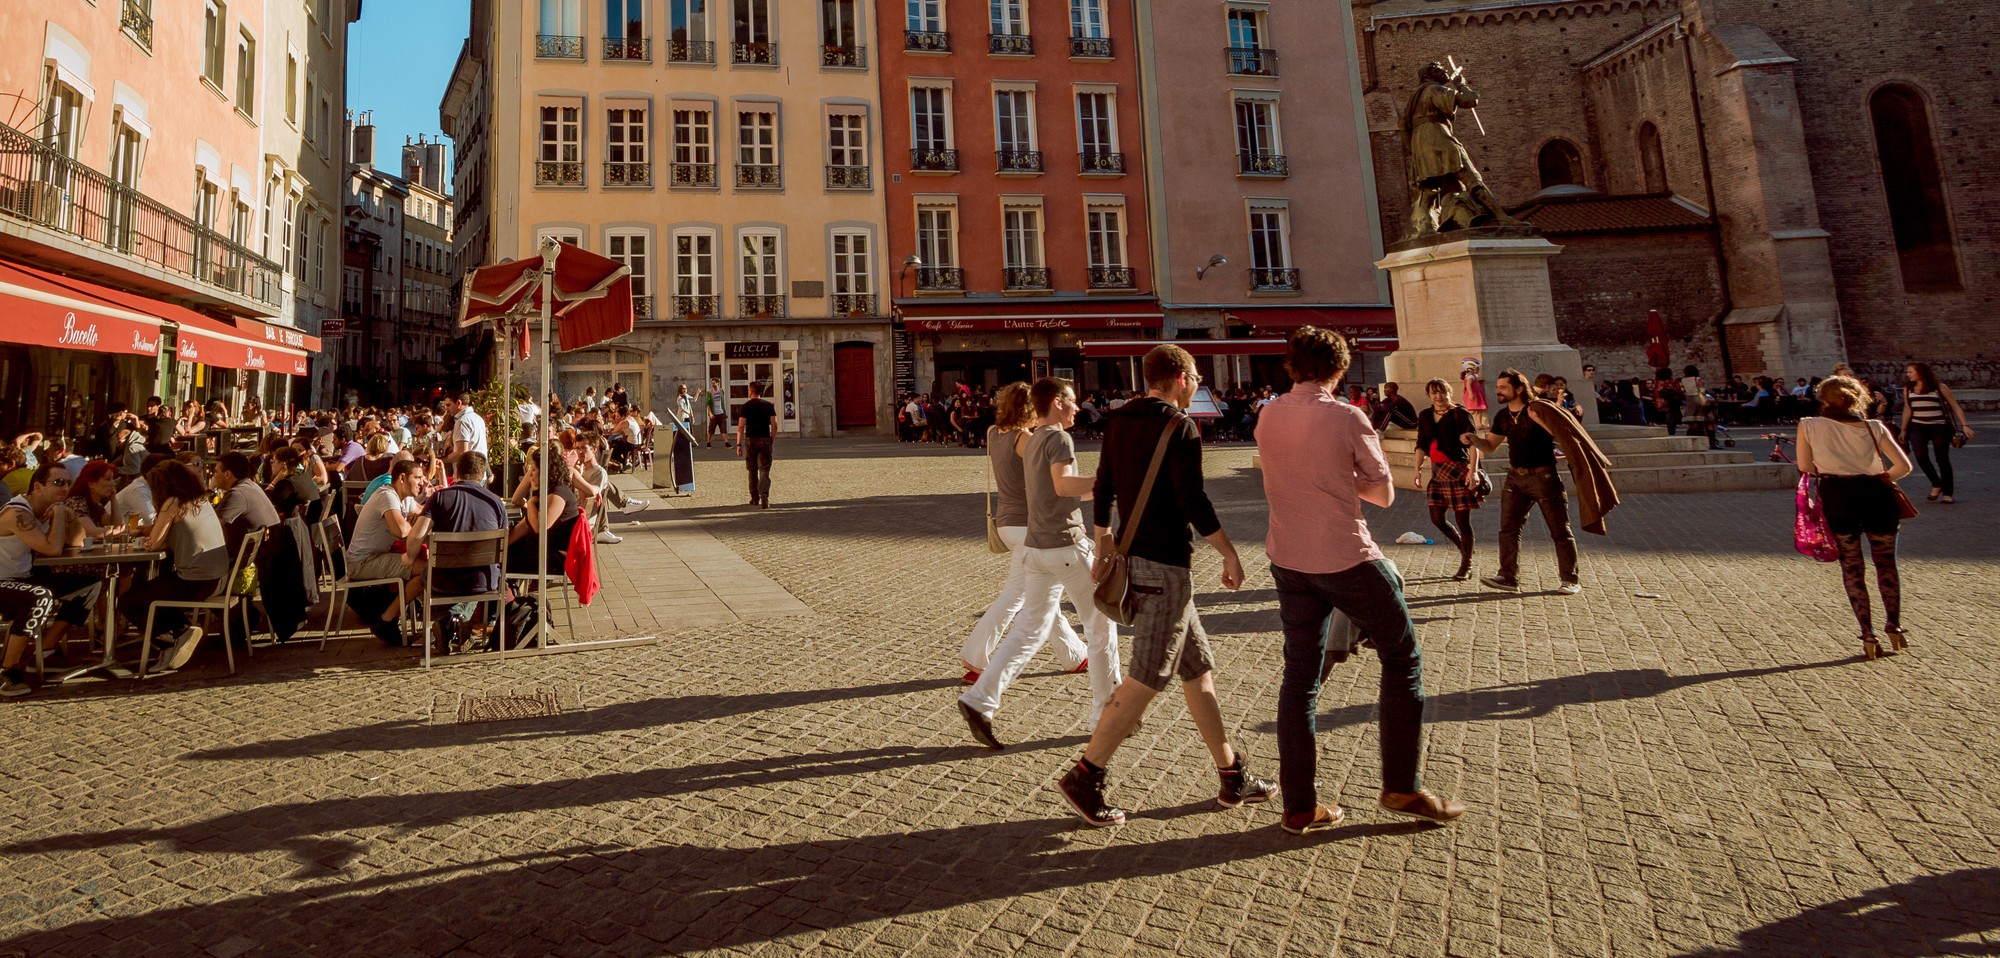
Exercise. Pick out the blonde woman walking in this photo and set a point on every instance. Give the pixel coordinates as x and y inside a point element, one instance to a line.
<point>1012,415</point>
<point>1858,463</point>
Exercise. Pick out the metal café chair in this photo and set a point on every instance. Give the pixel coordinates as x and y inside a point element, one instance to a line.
<point>332,541</point>
<point>225,600</point>
<point>466,550</point>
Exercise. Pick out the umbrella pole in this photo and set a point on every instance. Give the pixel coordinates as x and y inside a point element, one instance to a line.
<point>542,449</point>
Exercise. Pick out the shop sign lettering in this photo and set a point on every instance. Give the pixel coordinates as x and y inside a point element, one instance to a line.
<point>140,344</point>
<point>252,359</point>
<point>72,336</point>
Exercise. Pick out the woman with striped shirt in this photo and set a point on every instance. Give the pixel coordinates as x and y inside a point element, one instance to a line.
<point>1929,413</point>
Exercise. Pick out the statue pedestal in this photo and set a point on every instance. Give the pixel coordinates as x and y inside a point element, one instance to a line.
<point>1480,294</point>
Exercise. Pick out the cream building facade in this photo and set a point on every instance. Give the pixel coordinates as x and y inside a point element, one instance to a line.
<point>729,153</point>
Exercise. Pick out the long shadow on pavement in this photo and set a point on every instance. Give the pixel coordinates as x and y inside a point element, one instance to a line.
<point>403,736</point>
<point>674,897</point>
<point>1531,700</point>
<point>310,831</point>
<point>1927,915</point>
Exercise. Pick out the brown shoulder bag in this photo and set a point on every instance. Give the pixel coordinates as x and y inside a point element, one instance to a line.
<point>1113,595</point>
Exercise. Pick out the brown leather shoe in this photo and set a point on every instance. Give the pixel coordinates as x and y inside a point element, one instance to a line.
<point>1318,820</point>
<point>1422,804</point>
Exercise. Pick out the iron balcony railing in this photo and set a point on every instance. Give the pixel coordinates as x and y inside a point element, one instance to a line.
<point>41,185</point>
<point>690,51</point>
<point>1111,277</point>
<point>628,174</point>
<point>853,304</point>
<point>1274,279</point>
<point>558,173</point>
<point>1011,44</point>
<point>1025,277</point>
<point>1019,161</point>
<point>934,161</point>
<point>753,54</point>
<point>1096,48</point>
<point>695,175</point>
<point>843,56</point>
<point>137,20</point>
<point>1097,162</point>
<point>1263,164</point>
<point>694,307</point>
<point>628,48</point>
<point>642,308</point>
<point>940,278</point>
<point>761,305</point>
<point>1252,61</point>
<point>925,41</point>
<point>759,175</point>
<point>846,177</point>
<point>553,47</point>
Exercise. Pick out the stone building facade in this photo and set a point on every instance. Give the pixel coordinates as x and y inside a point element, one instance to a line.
<point>1839,154</point>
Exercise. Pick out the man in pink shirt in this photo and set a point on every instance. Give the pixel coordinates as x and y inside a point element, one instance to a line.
<point>1321,460</point>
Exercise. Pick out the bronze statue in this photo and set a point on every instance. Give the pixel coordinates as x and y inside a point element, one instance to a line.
<point>1446,191</point>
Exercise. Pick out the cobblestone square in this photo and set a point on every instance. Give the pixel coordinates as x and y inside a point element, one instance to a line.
<point>1689,758</point>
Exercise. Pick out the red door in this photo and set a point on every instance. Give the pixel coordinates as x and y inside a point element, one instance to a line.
<point>854,385</point>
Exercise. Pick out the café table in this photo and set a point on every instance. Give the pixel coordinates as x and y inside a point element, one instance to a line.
<point>117,557</point>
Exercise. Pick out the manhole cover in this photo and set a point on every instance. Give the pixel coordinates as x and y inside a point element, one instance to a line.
<point>507,708</point>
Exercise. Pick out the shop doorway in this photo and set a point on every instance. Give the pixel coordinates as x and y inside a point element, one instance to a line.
<point>854,385</point>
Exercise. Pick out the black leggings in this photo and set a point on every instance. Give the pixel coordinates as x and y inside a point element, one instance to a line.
<point>1460,537</point>
<point>1926,440</point>
<point>1882,550</point>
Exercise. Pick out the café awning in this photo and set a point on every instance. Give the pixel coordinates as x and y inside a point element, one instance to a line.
<point>590,296</point>
<point>44,309</point>
<point>1112,348</point>
<point>213,341</point>
<point>1047,314</point>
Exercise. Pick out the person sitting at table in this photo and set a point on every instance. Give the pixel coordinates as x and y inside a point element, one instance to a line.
<point>463,506</point>
<point>31,526</point>
<point>306,442</point>
<point>244,507</point>
<point>27,608</point>
<point>346,450</point>
<point>384,520</point>
<point>92,507</point>
<point>373,463</point>
<point>190,531</point>
<point>291,485</point>
<point>136,499</point>
<point>560,510</point>
<point>13,466</point>
<point>190,423</point>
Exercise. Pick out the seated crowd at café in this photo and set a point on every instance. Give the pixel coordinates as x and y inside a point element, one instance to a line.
<point>329,500</point>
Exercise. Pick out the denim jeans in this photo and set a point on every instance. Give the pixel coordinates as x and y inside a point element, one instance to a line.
<point>1369,595</point>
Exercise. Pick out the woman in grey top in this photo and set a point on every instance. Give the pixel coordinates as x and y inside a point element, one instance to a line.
<point>189,529</point>
<point>1011,416</point>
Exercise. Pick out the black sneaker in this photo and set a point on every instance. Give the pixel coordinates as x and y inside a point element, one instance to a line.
<point>1084,789</point>
<point>981,726</point>
<point>1497,583</point>
<point>391,633</point>
<point>1240,788</point>
<point>14,684</point>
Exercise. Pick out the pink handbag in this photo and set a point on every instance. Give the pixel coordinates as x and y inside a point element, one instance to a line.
<point>1809,532</point>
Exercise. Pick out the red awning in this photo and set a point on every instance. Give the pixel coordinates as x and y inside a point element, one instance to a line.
<point>1028,315</point>
<point>212,341</point>
<point>1360,320</point>
<point>44,309</point>
<point>1113,348</point>
<point>592,295</point>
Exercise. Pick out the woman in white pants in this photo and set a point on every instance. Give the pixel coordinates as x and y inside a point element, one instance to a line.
<point>1012,414</point>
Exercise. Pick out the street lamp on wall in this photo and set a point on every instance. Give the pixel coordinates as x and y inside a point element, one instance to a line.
<point>909,262</point>
<point>1213,262</point>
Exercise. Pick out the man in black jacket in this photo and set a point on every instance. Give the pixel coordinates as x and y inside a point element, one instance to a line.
<point>1167,636</point>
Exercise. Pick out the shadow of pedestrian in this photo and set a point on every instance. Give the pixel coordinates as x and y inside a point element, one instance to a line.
<point>1927,915</point>
<point>312,832</point>
<point>676,897</point>
<point>1531,700</point>
<point>402,736</point>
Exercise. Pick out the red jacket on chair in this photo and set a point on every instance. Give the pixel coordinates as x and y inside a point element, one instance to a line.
<point>581,565</point>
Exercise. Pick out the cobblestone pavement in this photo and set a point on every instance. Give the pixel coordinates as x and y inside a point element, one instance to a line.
<point>1688,758</point>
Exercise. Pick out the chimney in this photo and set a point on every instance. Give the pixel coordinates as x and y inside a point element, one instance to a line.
<point>364,140</point>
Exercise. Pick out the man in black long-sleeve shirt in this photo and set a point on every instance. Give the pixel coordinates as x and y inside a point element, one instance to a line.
<point>1167,636</point>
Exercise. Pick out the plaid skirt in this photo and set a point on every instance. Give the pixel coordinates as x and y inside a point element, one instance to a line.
<point>1447,489</point>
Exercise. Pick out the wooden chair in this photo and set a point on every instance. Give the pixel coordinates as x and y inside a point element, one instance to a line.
<point>337,588</point>
<point>466,550</point>
<point>224,600</point>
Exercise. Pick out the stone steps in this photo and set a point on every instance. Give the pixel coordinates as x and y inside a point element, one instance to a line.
<point>1643,459</point>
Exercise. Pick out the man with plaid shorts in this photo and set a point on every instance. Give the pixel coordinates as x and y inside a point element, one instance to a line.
<point>1167,637</point>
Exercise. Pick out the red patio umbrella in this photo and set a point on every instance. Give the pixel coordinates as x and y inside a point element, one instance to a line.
<point>1656,340</point>
<point>579,296</point>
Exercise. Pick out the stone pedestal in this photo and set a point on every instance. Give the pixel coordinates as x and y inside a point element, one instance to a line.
<point>1477,295</point>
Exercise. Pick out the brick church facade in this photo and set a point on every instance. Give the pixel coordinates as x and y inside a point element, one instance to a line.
<point>1789,184</point>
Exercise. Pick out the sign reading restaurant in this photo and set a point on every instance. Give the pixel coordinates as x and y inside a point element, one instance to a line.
<point>1038,324</point>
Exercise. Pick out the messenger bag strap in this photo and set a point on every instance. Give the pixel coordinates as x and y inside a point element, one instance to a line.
<point>1146,488</point>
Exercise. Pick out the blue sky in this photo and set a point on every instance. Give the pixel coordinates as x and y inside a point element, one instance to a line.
<point>399,58</point>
